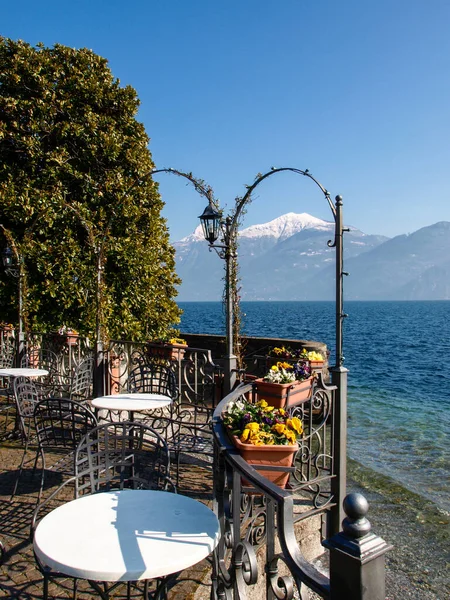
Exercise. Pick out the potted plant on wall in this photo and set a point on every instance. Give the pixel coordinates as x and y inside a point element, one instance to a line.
<point>263,435</point>
<point>286,354</point>
<point>7,329</point>
<point>68,335</point>
<point>314,358</point>
<point>170,348</point>
<point>286,385</point>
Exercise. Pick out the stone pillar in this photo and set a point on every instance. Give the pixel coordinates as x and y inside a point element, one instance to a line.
<point>357,556</point>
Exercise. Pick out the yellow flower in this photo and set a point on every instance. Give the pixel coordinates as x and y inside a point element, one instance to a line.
<point>245,435</point>
<point>252,427</point>
<point>256,440</point>
<point>295,424</point>
<point>274,368</point>
<point>284,365</point>
<point>279,428</point>
<point>290,436</point>
<point>266,438</point>
<point>265,407</point>
<point>282,411</point>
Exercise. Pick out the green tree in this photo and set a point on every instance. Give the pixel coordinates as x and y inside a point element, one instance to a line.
<point>75,196</point>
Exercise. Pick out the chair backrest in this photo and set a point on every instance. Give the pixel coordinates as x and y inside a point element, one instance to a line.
<point>26,397</point>
<point>81,388</point>
<point>121,455</point>
<point>40,358</point>
<point>7,353</point>
<point>62,423</point>
<point>153,378</point>
<point>43,358</point>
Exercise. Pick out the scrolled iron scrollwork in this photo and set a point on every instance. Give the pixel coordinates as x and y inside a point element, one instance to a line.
<point>256,528</point>
<point>245,566</point>
<point>282,586</point>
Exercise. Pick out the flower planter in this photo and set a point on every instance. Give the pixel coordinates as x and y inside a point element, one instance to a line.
<point>7,330</point>
<point>115,362</point>
<point>171,352</point>
<point>317,365</point>
<point>284,395</point>
<point>280,456</point>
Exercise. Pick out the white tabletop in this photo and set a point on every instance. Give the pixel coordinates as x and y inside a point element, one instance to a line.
<point>126,535</point>
<point>132,402</point>
<point>23,372</point>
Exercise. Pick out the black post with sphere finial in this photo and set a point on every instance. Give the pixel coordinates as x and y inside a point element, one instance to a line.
<point>357,555</point>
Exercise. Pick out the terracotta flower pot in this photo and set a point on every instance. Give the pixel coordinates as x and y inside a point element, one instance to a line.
<point>317,365</point>
<point>7,330</point>
<point>284,395</point>
<point>167,351</point>
<point>280,456</point>
<point>71,339</point>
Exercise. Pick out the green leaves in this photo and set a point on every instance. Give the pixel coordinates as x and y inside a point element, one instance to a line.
<point>71,155</point>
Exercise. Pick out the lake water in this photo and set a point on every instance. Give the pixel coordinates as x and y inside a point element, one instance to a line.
<point>398,356</point>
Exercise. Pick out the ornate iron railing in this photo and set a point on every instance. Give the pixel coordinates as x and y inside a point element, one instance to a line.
<point>69,350</point>
<point>269,531</point>
<point>194,368</point>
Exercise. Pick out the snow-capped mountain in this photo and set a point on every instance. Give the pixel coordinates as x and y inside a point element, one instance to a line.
<point>289,259</point>
<point>271,256</point>
<point>280,228</point>
<point>286,226</point>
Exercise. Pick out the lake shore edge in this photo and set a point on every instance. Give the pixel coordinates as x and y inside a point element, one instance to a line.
<point>417,566</point>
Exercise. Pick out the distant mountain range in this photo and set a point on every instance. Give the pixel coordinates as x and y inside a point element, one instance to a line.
<point>289,259</point>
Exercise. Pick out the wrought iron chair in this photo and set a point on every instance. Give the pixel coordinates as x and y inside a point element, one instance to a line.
<point>189,436</point>
<point>82,382</point>
<point>125,454</point>
<point>153,378</point>
<point>186,427</point>
<point>7,353</point>
<point>42,358</point>
<point>7,405</point>
<point>113,456</point>
<point>60,424</point>
<point>26,397</point>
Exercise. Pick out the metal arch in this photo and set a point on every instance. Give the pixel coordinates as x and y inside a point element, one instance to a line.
<point>231,228</point>
<point>261,178</point>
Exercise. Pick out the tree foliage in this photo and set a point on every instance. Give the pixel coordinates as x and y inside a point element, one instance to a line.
<point>75,196</point>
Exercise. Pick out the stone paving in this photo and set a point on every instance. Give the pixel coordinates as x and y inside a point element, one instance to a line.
<point>20,579</point>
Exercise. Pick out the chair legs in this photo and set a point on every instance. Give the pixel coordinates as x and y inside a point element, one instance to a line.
<point>19,474</point>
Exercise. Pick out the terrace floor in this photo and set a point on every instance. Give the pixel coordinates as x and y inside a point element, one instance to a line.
<point>20,579</point>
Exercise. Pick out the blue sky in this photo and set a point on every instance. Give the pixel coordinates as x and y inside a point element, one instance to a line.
<point>356,92</point>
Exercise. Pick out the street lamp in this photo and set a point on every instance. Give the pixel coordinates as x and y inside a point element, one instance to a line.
<point>213,225</point>
<point>8,259</point>
<point>12,264</point>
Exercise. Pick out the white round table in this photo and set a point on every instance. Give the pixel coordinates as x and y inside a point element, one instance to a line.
<point>23,372</point>
<point>132,402</point>
<point>126,535</point>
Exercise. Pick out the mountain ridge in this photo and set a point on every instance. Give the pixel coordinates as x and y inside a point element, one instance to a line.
<point>288,258</point>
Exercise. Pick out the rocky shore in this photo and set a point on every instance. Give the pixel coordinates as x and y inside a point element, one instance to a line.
<point>417,567</point>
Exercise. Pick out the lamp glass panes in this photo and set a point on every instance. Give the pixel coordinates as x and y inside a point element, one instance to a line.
<point>7,258</point>
<point>210,220</point>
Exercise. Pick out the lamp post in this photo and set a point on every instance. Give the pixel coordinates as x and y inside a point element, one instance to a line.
<point>13,265</point>
<point>213,226</point>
